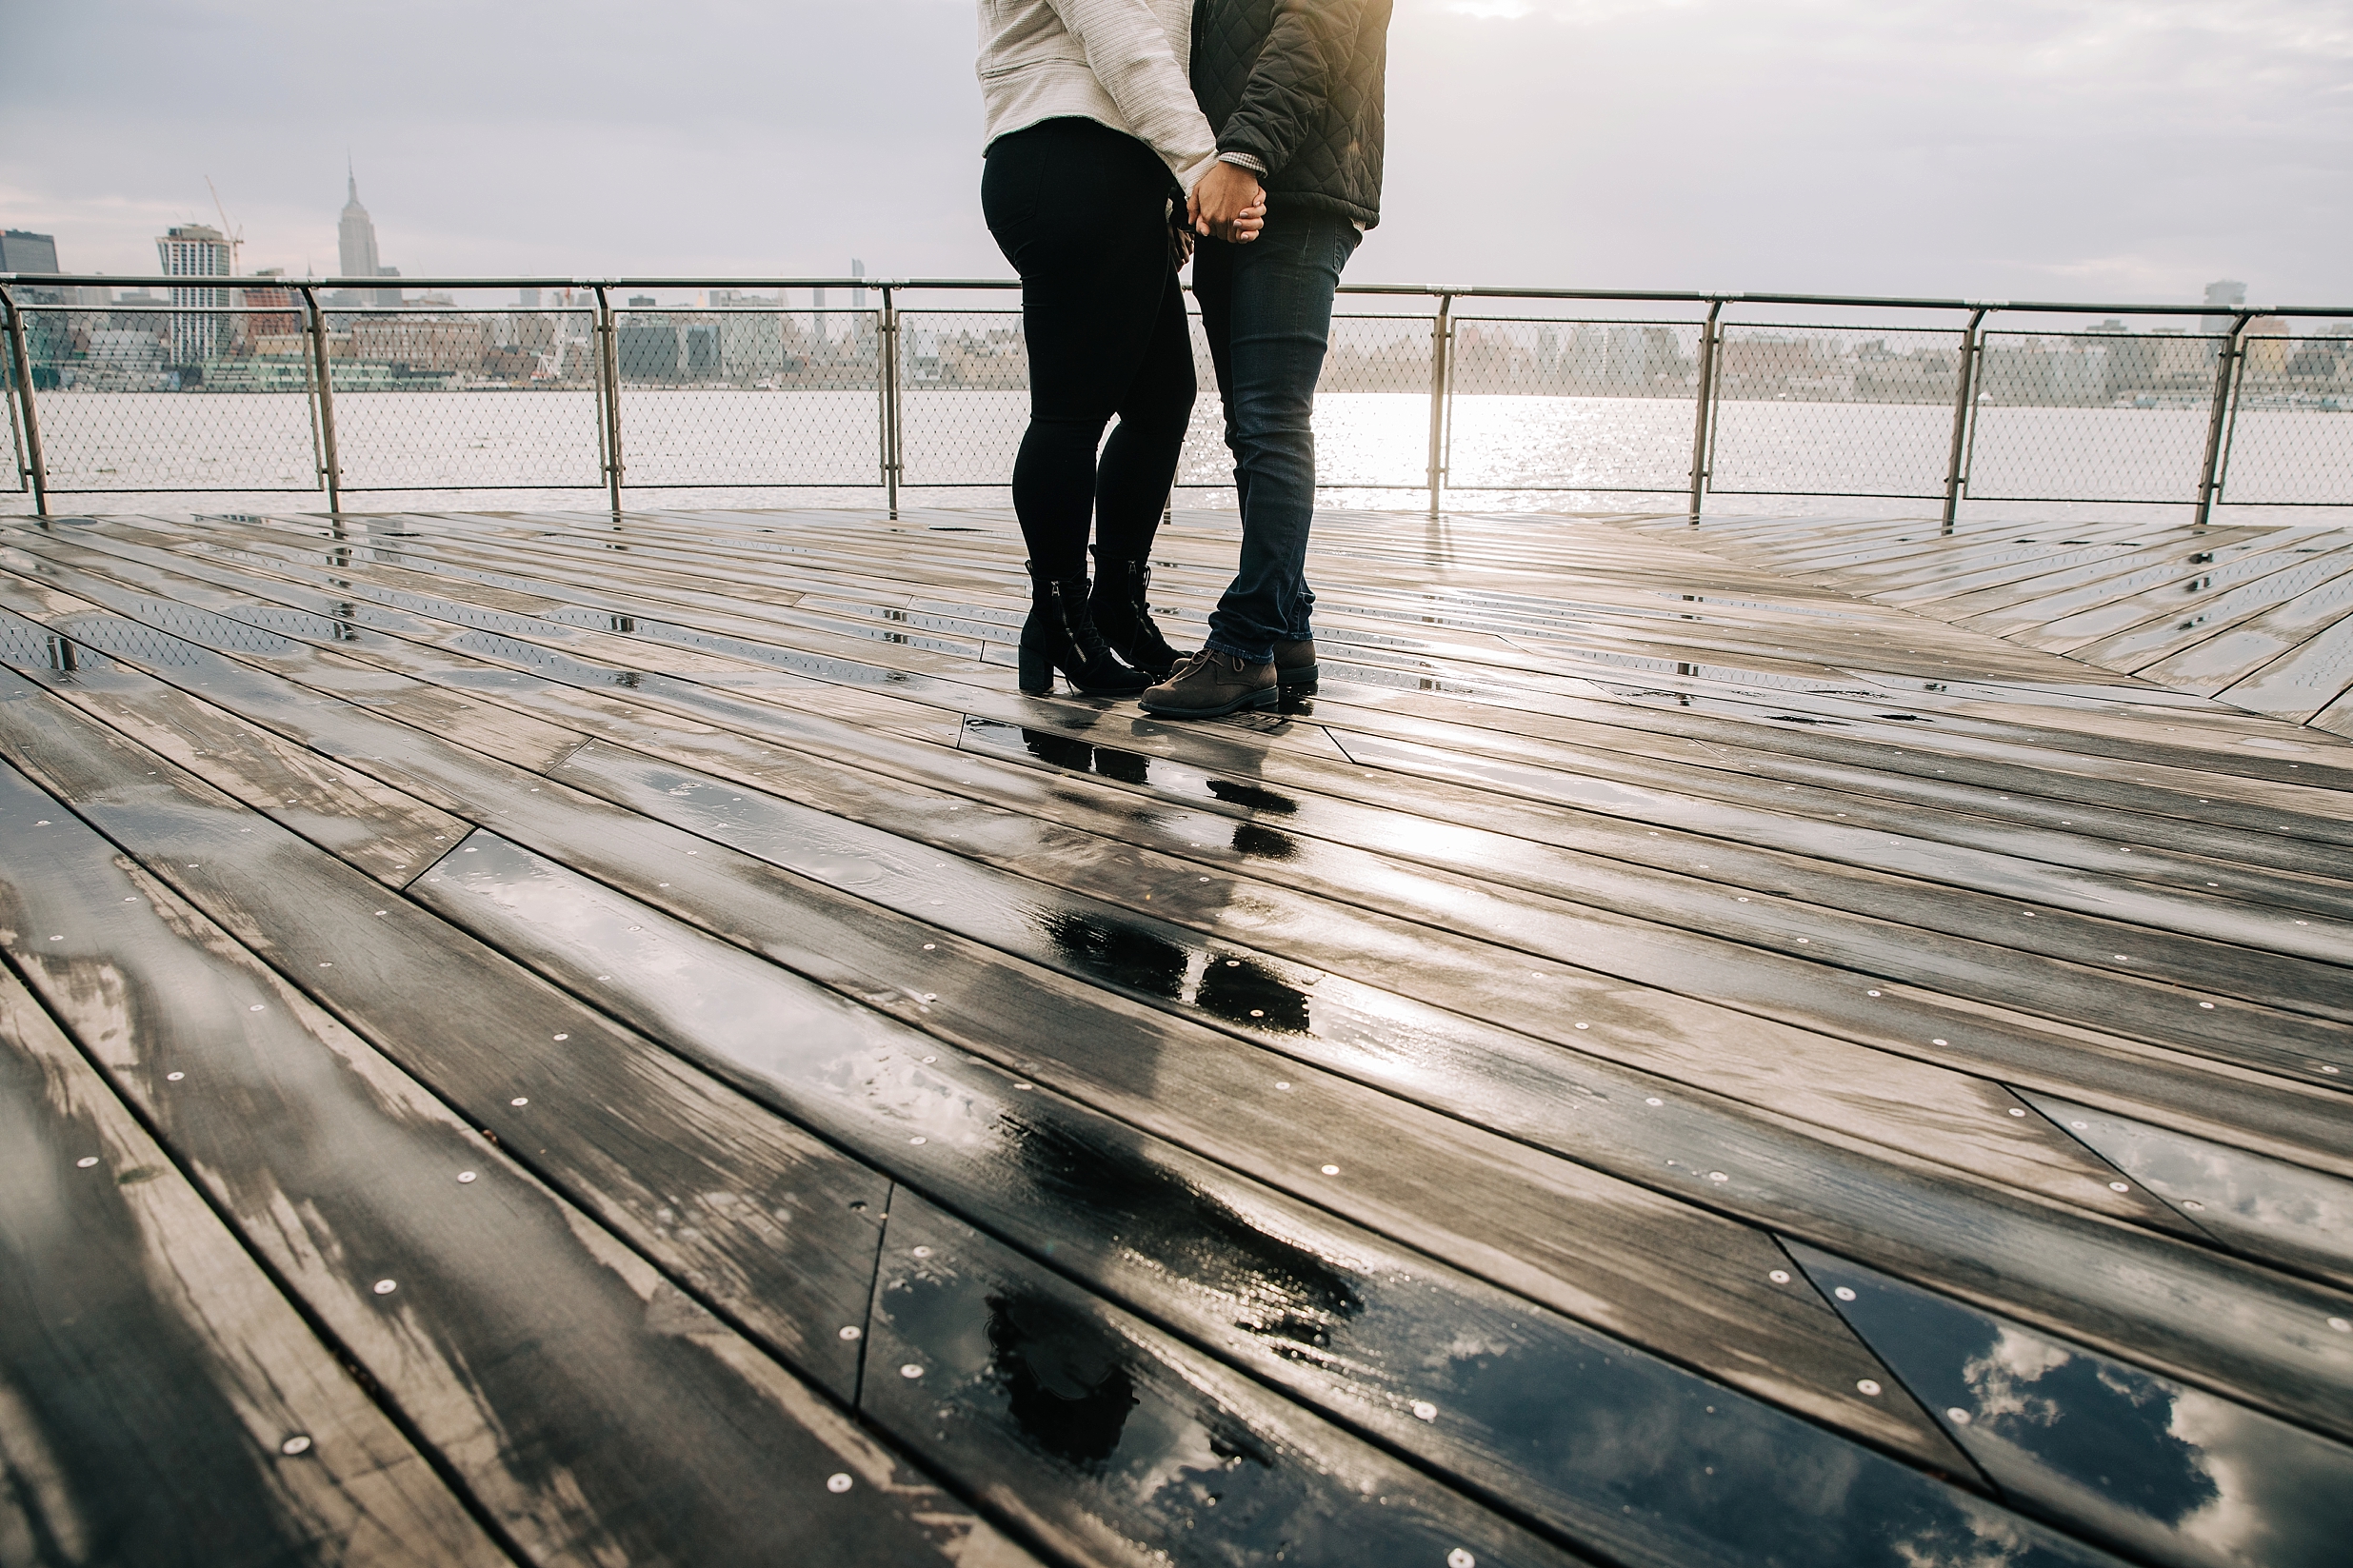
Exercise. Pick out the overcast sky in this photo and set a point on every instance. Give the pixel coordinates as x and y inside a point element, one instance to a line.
<point>2123,150</point>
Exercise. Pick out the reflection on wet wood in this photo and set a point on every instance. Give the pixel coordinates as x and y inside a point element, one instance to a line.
<point>161,1401</point>
<point>1629,912</point>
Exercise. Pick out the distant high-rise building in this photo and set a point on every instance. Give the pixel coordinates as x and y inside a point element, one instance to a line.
<point>21,250</point>
<point>195,250</point>
<point>48,332</point>
<point>2223,291</point>
<point>356,237</point>
<point>355,245</point>
<point>857,296</point>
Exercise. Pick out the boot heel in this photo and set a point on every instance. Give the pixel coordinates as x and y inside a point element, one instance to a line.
<point>1037,673</point>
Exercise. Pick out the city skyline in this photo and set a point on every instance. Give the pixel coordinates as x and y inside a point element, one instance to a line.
<point>2123,151</point>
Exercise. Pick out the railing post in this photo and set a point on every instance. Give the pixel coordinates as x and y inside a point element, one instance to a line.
<point>2225,390</point>
<point>323,402</point>
<point>886,378</point>
<point>29,462</point>
<point>1440,395</point>
<point>608,389</point>
<point>1706,404</point>
<point>1964,409</point>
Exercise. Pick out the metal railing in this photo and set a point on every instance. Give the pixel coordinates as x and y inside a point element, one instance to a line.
<point>260,385</point>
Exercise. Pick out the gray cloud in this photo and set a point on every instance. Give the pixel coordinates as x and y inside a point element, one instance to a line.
<point>2091,149</point>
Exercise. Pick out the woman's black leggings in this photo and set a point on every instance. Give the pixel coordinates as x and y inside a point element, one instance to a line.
<point>1081,212</point>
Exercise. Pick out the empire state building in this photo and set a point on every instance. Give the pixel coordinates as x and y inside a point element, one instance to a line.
<point>355,245</point>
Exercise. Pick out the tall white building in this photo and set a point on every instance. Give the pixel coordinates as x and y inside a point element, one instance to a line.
<point>196,250</point>
<point>355,244</point>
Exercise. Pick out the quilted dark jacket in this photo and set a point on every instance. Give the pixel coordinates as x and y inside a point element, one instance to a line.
<point>1297,85</point>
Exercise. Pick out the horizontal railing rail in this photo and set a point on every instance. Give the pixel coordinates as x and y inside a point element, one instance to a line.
<point>331,386</point>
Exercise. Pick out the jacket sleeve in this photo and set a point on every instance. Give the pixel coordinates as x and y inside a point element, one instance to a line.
<point>1289,87</point>
<point>1131,56</point>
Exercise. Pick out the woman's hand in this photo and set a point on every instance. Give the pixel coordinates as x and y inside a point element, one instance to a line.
<point>1228,204</point>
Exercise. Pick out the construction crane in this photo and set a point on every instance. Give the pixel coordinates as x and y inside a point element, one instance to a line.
<point>235,237</point>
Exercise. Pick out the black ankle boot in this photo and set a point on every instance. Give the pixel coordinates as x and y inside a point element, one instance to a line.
<point>1060,635</point>
<point>1122,613</point>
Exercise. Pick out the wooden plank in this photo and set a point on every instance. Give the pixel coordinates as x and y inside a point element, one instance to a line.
<point>161,1403</point>
<point>2098,610</point>
<point>2038,602</point>
<point>1722,777</point>
<point>1970,1120</point>
<point>1900,1210</point>
<point>1455,1213</point>
<point>1876,759</point>
<point>2111,899</point>
<point>2299,683</point>
<point>2158,631</point>
<point>1111,1441</point>
<point>1007,1358</point>
<point>2093,944</point>
<point>2032,1049</point>
<point>774,1225</point>
<point>2135,739</point>
<point>2217,661</point>
<point>386,832</point>
<point>593,1409</point>
<point>1352,1326</point>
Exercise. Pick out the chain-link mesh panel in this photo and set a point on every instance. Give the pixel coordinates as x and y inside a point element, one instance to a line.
<point>1372,404</point>
<point>746,396</point>
<point>12,437</point>
<point>154,397</point>
<point>1205,462</point>
<point>2092,416</point>
<point>1573,405</point>
<point>2291,441</point>
<point>964,395</point>
<point>428,400</point>
<point>1371,408</point>
<point>1858,411</point>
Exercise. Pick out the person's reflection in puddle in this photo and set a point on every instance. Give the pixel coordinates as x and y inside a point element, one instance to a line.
<point>1062,1376</point>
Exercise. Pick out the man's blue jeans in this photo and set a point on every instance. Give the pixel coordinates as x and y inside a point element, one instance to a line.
<point>1266,307</point>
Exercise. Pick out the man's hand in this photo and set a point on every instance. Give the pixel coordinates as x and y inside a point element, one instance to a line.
<point>1228,204</point>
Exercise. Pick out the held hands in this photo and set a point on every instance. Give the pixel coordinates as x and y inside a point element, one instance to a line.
<point>1228,204</point>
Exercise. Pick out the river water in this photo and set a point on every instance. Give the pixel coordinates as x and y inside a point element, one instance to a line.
<point>723,445</point>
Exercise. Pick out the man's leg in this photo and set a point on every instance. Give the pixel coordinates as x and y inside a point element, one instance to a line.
<point>1276,324</point>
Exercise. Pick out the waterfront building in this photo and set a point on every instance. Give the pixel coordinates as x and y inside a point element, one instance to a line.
<point>2267,345</point>
<point>270,309</point>
<point>427,346</point>
<point>22,250</point>
<point>48,334</point>
<point>2223,291</point>
<point>196,250</point>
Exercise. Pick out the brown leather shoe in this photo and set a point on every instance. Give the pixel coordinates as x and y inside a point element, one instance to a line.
<point>1295,669</point>
<point>1210,683</point>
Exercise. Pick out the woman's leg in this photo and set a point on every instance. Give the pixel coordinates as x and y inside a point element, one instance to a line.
<point>1131,487</point>
<point>1077,209</point>
<point>1140,461</point>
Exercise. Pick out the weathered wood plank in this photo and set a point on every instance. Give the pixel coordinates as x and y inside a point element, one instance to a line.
<point>594,1410</point>
<point>160,1401</point>
<point>770,1222</point>
<point>1470,1213</point>
<point>1351,1326</point>
<point>386,832</point>
<point>750,638</point>
<point>1998,982</point>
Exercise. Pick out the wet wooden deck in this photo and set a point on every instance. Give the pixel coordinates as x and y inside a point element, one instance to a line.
<point>541,1039</point>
